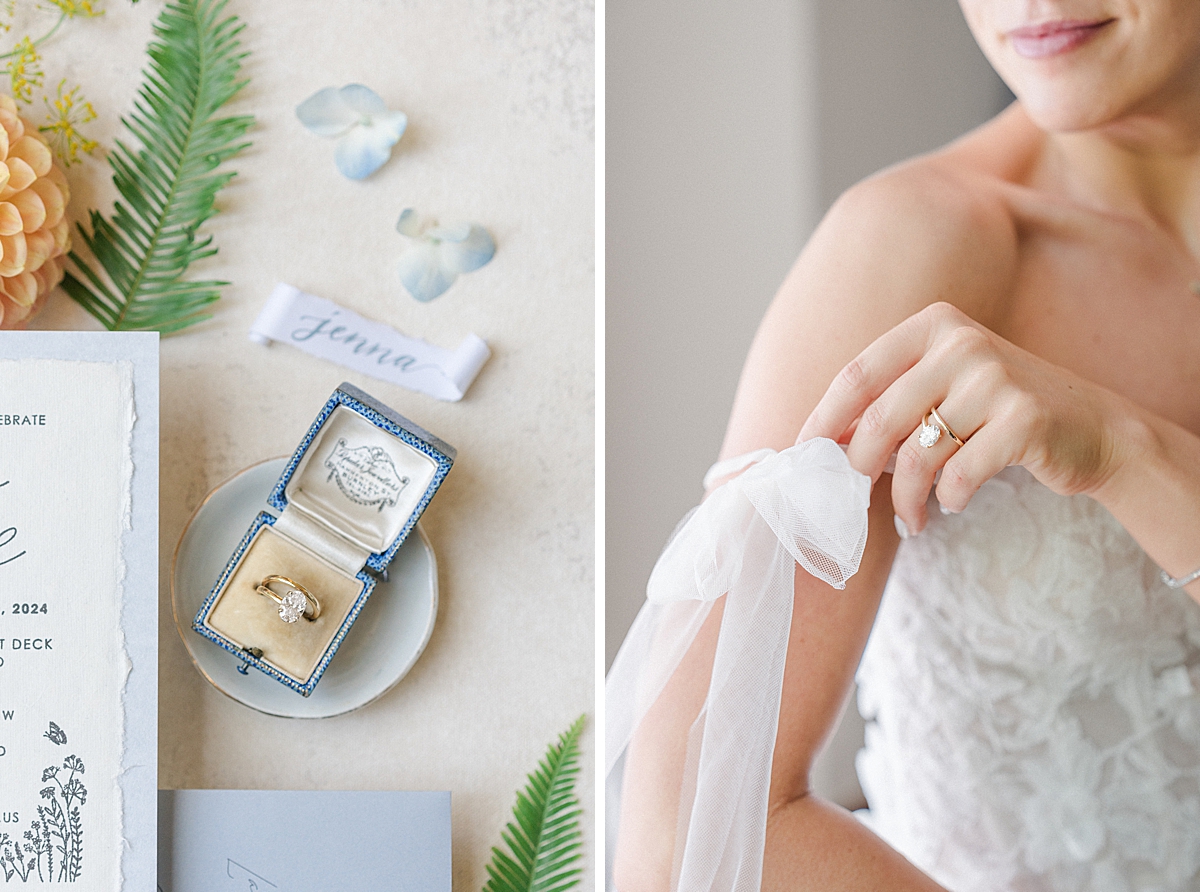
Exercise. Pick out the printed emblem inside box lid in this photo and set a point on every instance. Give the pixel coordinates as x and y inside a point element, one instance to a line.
<point>360,480</point>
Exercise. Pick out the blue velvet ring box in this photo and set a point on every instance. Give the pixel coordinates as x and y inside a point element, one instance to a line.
<point>348,498</point>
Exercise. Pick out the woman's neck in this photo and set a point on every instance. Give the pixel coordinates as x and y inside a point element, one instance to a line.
<point>1145,168</point>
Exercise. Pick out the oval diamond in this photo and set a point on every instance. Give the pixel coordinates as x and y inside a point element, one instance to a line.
<point>292,606</point>
<point>929,435</point>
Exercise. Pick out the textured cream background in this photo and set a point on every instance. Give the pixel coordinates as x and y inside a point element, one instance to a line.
<point>499,95</point>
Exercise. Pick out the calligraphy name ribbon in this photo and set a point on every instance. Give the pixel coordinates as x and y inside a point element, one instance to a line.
<point>803,505</point>
<point>321,328</point>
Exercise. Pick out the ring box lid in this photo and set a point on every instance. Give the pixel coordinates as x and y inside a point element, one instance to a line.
<point>359,481</point>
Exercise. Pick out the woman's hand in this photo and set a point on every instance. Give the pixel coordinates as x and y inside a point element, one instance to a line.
<point>1008,407</point>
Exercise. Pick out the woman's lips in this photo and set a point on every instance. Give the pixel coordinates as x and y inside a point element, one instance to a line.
<point>1052,38</point>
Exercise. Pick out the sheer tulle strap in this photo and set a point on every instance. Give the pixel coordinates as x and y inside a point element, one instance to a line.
<point>729,466</point>
<point>806,505</point>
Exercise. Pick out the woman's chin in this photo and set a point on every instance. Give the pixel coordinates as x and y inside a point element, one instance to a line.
<point>1056,113</point>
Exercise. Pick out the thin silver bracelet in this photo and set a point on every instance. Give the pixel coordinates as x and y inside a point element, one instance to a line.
<point>1182,581</point>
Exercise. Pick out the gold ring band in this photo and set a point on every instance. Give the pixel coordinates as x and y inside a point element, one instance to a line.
<point>296,602</point>
<point>941,422</point>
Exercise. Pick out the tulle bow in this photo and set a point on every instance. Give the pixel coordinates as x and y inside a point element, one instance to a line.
<point>803,505</point>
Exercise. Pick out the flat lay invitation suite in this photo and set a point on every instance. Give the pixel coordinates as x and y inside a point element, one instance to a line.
<point>78,608</point>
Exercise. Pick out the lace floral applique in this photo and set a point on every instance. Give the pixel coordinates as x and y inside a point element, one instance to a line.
<point>1033,699</point>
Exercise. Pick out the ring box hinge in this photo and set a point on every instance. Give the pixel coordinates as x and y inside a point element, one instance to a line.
<point>255,652</point>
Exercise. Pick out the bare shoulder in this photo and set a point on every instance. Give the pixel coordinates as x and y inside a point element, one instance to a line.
<point>932,229</point>
<point>937,228</point>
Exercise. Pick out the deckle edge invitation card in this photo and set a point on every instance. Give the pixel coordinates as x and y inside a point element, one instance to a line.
<point>78,608</point>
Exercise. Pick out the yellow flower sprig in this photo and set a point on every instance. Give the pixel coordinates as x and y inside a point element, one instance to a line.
<point>73,8</point>
<point>24,70</point>
<point>67,112</point>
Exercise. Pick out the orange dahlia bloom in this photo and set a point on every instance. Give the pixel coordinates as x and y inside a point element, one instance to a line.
<point>34,233</point>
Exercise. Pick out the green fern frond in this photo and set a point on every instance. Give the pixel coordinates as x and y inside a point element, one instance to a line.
<point>168,185</point>
<point>545,842</point>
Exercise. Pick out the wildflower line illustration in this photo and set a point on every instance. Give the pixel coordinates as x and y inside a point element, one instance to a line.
<point>51,850</point>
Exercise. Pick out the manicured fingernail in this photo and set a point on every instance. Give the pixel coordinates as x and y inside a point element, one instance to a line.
<point>901,526</point>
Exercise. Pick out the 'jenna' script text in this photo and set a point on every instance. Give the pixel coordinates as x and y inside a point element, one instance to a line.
<point>321,328</point>
<point>7,537</point>
<point>356,343</point>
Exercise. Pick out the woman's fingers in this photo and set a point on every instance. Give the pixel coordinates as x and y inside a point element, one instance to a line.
<point>899,411</point>
<point>940,333</point>
<point>864,378</point>
<point>916,467</point>
<point>967,470</point>
<point>1002,441</point>
<point>953,361</point>
<point>887,421</point>
<point>919,459</point>
<point>988,450</point>
<point>1007,406</point>
<point>956,398</point>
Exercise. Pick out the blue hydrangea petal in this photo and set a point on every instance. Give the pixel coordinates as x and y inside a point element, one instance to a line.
<point>363,151</point>
<point>422,273</point>
<point>325,114</point>
<point>363,100</point>
<point>409,223</point>
<point>392,122</point>
<point>455,232</point>
<point>469,252</point>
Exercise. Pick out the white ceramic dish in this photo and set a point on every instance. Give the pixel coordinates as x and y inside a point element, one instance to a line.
<point>380,649</point>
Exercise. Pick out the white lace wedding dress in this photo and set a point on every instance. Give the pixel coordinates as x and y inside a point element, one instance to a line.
<point>1032,691</point>
<point>1031,686</point>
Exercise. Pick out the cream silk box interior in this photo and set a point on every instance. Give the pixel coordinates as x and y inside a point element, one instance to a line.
<point>348,498</point>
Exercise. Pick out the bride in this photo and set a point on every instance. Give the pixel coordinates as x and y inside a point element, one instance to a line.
<point>1004,336</point>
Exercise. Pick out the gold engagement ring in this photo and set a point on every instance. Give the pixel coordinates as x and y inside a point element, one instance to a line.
<point>931,431</point>
<point>294,603</point>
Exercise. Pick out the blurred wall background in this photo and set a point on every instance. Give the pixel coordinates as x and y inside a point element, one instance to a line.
<point>730,129</point>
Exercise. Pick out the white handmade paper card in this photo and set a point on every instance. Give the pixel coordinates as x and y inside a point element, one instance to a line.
<point>78,604</point>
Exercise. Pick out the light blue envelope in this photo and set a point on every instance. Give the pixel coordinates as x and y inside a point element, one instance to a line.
<point>302,841</point>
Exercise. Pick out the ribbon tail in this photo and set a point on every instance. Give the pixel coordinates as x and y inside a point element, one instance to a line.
<point>657,641</point>
<point>727,809</point>
<point>806,505</point>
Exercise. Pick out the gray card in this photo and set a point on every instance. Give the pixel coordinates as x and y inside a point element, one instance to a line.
<point>290,841</point>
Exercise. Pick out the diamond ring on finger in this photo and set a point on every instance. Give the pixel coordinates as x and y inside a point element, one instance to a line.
<point>932,428</point>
